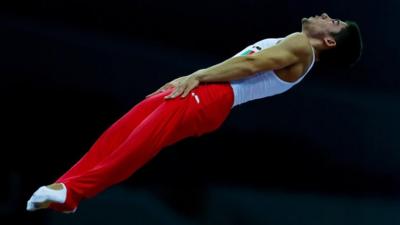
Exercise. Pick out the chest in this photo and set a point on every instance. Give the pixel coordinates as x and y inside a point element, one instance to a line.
<point>291,73</point>
<point>294,72</point>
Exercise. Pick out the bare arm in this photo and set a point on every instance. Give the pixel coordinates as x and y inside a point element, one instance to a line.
<point>231,69</point>
<point>287,52</point>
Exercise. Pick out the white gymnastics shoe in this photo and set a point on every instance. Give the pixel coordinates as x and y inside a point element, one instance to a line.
<point>46,195</point>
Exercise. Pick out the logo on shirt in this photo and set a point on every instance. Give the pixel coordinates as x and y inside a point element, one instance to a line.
<point>251,51</point>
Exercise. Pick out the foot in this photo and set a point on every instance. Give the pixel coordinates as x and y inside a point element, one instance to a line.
<point>45,195</point>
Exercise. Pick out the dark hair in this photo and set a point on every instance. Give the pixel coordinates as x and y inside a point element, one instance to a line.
<point>348,49</point>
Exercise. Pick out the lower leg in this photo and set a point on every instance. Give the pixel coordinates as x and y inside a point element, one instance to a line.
<point>45,195</point>
<point>161,128</point>
<point>104,146</point>
<point>165,126</point>
<point>111,138</point>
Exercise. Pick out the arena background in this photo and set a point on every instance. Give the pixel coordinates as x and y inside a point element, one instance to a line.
<point>325,152</point>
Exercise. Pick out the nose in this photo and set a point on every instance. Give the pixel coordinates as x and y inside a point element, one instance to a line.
<point>324,16</point>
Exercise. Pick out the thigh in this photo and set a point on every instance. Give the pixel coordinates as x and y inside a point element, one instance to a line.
<point>208,106</point>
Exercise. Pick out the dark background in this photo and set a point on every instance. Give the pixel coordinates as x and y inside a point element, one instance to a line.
<point>325,152</point>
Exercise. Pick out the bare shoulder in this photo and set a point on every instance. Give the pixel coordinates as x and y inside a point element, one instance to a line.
<point>297,43</point>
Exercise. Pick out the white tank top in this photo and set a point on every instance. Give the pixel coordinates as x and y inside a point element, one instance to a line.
<point>262,84</point>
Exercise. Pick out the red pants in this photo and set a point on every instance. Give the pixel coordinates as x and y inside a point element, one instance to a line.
<point>140,134</point>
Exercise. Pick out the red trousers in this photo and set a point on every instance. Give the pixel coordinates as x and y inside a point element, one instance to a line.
<point>140,134</point>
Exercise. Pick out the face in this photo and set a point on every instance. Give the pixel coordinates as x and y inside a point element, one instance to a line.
<point>320,26</point>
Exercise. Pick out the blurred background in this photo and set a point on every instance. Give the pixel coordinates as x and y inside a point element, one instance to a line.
<point>327,152</point>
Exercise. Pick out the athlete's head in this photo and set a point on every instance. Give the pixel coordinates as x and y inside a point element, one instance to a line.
<point>339,42</point>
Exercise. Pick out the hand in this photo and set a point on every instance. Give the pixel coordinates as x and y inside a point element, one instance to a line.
<point>183,85</point>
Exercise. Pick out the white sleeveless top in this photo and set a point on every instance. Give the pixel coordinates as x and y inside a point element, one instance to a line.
<point>262,84</point>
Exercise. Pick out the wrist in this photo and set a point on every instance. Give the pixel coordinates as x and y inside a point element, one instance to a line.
<point>198,75</point>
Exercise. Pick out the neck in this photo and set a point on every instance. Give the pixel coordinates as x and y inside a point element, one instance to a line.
<point>316,44</point>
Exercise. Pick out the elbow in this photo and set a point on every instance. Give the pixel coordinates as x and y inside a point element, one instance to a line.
<point>251,65</point>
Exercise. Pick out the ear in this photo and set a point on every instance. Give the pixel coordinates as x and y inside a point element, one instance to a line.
<point>329,42</point>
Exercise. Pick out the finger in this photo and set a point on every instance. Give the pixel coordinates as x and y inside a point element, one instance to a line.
<point>154,93</point>
<point>161,89</point>
<point>185,92</point>
<point>188,89</point>
<point>178,91</point>
<point>172,95</point>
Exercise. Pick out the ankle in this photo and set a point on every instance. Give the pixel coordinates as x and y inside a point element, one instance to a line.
<point>55,186</point>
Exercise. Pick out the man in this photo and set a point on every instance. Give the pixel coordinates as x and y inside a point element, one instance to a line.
<point>199,103</point>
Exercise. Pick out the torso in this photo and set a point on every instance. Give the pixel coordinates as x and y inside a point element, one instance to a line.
<point>294,72</point>
<point>269,83</point>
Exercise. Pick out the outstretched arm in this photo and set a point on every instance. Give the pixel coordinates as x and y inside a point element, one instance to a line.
<point>288,52</point>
